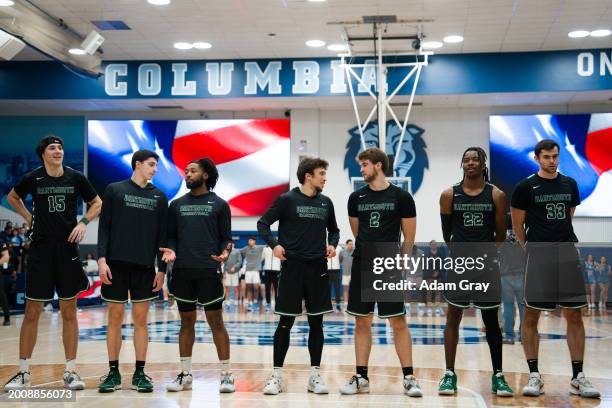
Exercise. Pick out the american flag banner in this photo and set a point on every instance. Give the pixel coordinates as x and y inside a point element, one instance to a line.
<point>585,153</point>
<point>252,156</point>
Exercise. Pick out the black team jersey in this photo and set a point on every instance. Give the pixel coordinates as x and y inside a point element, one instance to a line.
<point>306,225</point>
<point>473,216</point>
<point>380,214</point>
<point>547,203</point>
<point>198,227</point>
<point>132,223</point>
<point>55,201</point>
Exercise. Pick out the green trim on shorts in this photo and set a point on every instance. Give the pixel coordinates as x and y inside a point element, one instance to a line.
<point>394,315</point>
<point>181,300</point>
<point>574,307</point>
<point>358,314</point>
<point>143,300</point>
<point>222,297</point>
<point>472,306</point>
<point>39,300</point>
<point>113,300</point>
<point>320,313</point>
<point>84,290</point>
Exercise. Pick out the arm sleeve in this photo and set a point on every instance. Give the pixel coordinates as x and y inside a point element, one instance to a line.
<point>172,230</point>
<point>104,226</point>
<point>407,207</point>
<point>23,187</point>
<point>162,233</point>
<point>333,232</point>
<point>575,194</point>
<point>86,190</point>
<point>270,217</point>
<point>352,205</point>
<point>447,226</point>
<point>225,228</point>
<point>520,197</point>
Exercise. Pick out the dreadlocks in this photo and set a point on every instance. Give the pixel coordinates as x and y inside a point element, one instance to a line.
<point>482,157</point>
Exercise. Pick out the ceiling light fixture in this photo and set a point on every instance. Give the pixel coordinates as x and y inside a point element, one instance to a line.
<point>578,34</point>
<point>431,45</point>
<point>315,43</point>
<point>6,3</point>
<point>337,47</point>
<point>201,45</point>
<point>600,33</point>
<point>453,39</point>
<point>76,51</point>
<point>159,2</point>
<point>183,46</point>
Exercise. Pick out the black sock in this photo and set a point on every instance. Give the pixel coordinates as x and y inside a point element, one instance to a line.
<point>315,339</point>
<point>114,364</point>
<point>362,371</point>
<point>533,365</point>
<point>140,365</point>
<point>281,339</point>
<point>451,369</point>
<point>494,337</point>
<point>576,368</point>
<point>407,371</point>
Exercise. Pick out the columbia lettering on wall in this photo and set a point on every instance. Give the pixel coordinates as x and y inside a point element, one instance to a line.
<point>446,74</point>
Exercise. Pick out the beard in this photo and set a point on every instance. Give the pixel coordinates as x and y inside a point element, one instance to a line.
<point>318,189</point>
<point>194,183</point>
<point>369,177</point>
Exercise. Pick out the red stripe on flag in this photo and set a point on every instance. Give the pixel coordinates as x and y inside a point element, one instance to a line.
<point>256,202</point>
<point>91,290</point>
<point>598,149</point>
<point>229,143</point>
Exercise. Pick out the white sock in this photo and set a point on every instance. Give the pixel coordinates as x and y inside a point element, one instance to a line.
<point>186,364</point>
<point>24,365</point>
<point>71,365</point>
<point>314,370</point>
<point>277,372</point>
<point>225,366</point>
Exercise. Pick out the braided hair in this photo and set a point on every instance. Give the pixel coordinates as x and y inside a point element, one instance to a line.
<point>482,156</point>
<point>208,166</point>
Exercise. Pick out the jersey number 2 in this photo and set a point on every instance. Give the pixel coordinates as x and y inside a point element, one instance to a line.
<point>57,203</point>
<point>374,219</point>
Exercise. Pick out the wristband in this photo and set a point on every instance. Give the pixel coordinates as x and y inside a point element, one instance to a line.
<point>84,220</point>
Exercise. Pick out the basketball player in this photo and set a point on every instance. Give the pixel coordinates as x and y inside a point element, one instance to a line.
<point>252,255</point>
<point>543,205</point>
<point>132,232</point>
<point>200,233</point>
<point>54,264</point>
<point>377,213</point>
<point>346,262</point>
<point>231,269</point>
<point>307,235</point>
<point>474,211</point>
